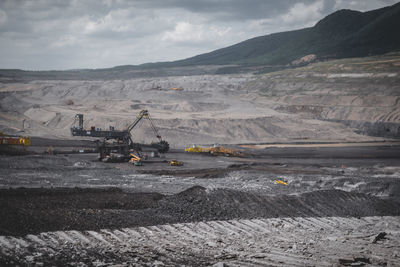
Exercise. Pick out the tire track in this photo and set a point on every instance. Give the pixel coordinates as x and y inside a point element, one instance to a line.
<point>256,242</point>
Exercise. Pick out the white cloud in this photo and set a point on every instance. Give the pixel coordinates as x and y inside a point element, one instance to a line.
<point>189,33</point>
<point>115,21</point>
<point>3,17</point>
<point>184,31</point>
<point>303,13</point>
<point>65,40</point>
<point>364,5</point>
<point>299,15</point>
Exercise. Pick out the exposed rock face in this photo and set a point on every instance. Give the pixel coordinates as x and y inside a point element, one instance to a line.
<point>363,94</point>
<point>304,60</point>
<point>210,109</point>
<point>383,129</point>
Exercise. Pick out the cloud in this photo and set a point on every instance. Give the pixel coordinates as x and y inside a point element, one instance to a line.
<point>186,32</point>
<point>65,40</point>
<point>64,34</point>
<point>231,10</point>
<point>3,17</point>
<point>364,5</point>
<point>303,13</point>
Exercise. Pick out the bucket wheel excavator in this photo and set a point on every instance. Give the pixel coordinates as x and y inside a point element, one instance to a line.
<point>117,145</point>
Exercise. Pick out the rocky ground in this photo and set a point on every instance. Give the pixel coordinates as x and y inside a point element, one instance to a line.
<point>74,210</point>
<point>298,241</point>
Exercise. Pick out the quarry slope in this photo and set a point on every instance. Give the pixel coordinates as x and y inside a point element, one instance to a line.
<point>342,100</point>
<point>362,93</point>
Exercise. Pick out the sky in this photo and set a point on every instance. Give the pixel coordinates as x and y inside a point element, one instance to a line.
<point>76,34</point>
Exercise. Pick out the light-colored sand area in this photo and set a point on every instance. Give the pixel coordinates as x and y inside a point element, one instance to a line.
<point>209,109</point>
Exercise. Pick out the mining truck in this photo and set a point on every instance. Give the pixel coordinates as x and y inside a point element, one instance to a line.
<point>117,145</point>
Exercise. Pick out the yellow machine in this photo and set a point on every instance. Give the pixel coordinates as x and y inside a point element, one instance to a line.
<point>14,140</point>
<point>194,149</point>
<point>135,160</point>
<point>280,182</point>
<point>177,89</point>
<point>175,162</point>
<point>215,150</point>
<point>222,151</point>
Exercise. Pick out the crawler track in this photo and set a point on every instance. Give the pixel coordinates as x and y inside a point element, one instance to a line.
<point>300,241</point>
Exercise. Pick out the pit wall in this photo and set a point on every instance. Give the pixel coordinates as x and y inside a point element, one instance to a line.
<point>378,129</point>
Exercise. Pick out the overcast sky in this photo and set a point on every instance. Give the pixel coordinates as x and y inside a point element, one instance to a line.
<point>63,34</point>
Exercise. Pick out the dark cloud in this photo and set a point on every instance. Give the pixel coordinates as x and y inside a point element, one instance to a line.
<point>62,34</point>
<point>232,9</point>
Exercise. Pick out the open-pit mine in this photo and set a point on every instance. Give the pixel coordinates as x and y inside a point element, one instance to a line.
<point>299,167</point>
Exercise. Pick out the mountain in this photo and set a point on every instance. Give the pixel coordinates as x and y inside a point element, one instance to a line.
<point>345,33</point>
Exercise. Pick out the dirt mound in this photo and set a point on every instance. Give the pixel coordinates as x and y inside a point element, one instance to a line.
<point>192,192</point>
<point>26,211</point>
<point>38,209</point>
<point>198,204</point>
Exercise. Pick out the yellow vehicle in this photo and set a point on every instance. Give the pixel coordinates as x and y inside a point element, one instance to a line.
<point>222,151</point>
<point>135,160</point>
<point>216,150</point>
<point>14,140</point>
<point>175,162</point>
<point>194,149</point>
<point>25,141</point>
<point>280,182</point>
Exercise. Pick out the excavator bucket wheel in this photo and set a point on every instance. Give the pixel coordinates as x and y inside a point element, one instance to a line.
<point>163,147</point>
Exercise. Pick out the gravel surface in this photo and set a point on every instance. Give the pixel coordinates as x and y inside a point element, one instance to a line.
<point>209,211</point>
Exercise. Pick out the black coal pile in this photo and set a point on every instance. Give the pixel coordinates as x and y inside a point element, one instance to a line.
<point>198,203</point>
<point>28,211</point>
<point>35,210</point>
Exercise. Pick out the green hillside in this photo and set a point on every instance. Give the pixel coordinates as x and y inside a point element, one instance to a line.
<point>345,33</point>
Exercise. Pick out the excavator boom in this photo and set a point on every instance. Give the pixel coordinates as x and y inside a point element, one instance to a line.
<point>142,114</point>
